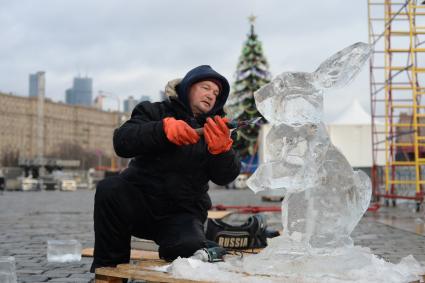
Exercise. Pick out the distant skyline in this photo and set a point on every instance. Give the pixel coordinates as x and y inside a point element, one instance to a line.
<point>81,92</point>
<point>134,47</point>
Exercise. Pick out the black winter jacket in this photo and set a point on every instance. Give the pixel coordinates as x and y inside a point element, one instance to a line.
<point>175,178</point>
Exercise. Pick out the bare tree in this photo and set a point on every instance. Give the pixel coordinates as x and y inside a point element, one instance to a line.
<point>68,150</point>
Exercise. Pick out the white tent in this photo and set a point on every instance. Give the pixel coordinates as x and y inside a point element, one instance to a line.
<point>352,115</point>
<point>351,133</point>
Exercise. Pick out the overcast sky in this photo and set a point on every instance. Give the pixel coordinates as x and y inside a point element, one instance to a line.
<point>135,47</point>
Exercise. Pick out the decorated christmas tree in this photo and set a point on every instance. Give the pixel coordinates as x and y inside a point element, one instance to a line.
<point>251,74</point>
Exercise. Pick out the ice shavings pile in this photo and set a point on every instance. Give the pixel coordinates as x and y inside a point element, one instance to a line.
<point>355,264</point>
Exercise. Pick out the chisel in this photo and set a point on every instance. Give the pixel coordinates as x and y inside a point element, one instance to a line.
<point>234,125</point>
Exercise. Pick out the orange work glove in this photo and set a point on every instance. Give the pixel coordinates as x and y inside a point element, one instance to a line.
<point>217,135</point>
<point>179,132</point>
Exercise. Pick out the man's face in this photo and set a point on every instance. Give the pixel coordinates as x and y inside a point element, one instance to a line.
<point>202,97</point>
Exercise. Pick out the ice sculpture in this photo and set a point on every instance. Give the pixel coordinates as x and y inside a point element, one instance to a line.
<point>324,197</point>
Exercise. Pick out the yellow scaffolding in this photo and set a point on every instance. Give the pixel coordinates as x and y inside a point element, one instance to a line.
<point>397,71</point>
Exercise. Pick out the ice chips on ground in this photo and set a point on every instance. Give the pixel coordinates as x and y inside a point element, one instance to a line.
<point>342,265</point>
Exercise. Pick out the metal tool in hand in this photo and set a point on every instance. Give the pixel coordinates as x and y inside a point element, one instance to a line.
<point>234,125</point>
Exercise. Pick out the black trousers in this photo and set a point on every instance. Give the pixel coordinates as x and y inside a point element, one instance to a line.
<point>122,210</point>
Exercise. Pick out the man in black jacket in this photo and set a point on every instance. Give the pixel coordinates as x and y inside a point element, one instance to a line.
<point>162,195</point>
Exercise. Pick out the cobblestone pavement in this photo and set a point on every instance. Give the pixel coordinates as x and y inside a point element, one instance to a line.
<point>29,219</point>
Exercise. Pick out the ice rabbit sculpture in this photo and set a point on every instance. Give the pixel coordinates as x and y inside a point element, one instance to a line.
<point>324,197</point>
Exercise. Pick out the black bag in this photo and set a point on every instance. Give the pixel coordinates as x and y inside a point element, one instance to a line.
<point>251,234</point>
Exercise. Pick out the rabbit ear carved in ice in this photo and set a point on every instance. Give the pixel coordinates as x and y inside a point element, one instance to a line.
<point>296,98</point>
<point>342,67</point>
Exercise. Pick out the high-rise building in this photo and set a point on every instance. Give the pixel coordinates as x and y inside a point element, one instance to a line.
<point>81,92</point>
<point>69,97</point>
<point>34,82</point>
<point>130,103</point>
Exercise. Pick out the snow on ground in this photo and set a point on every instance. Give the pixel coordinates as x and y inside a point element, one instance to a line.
<point>353,264</point>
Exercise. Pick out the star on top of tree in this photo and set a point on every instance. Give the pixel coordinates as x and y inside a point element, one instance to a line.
<point>252,19</point>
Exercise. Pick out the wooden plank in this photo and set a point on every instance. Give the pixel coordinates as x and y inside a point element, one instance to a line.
<point>107,279</point>
<point>87,252</point>
<point>110,273</point>
<point>134,254</point>
<point>151,263</point>
<point>218,214</point>
<point>135,272</point>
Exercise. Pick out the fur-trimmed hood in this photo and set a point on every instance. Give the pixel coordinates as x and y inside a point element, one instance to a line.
<point>170,88</point>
